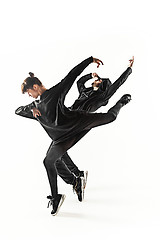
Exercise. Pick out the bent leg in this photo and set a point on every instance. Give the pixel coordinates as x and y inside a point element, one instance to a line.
<point>54,153</point>
<point>68,161</point>
<point>64,172</point>
<point>70,164</point>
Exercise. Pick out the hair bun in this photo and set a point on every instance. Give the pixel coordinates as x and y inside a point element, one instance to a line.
<point>31,74</point>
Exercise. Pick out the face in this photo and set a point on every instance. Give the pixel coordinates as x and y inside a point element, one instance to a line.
<point>33,92</point>
<point>97,82</point>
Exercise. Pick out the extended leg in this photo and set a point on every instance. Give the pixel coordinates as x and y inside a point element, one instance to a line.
<point>98,119</point>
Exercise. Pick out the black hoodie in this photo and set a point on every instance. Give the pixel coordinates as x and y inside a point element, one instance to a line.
<point>89,99</point>
<point>59,122</point>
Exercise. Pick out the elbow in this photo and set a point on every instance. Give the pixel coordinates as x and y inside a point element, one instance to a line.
<point>129,70</point>
<point>18,110</point>
<point>78,85</point>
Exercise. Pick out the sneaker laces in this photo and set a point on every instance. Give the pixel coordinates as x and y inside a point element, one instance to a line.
<point>75,186</point>
<point>50,203</point>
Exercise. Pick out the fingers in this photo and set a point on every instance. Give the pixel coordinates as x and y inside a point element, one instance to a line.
<point>132,60</point>
<point>98,64</point>
<point>36,113</point>
<point>101,62</point>
<point>94,75</point>
<point>98,61</point>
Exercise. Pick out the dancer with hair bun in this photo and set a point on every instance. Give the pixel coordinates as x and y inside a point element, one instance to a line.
<point>64,126</point>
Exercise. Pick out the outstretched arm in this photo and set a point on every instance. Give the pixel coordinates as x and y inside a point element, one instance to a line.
<point>68,81</point>
<point>113,88</point>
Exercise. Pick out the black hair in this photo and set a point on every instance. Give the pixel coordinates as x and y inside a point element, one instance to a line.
<point>29,82</point>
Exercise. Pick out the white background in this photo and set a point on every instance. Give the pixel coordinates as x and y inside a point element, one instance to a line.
<point>122,196</point>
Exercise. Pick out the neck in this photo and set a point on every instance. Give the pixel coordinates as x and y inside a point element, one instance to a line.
<point>42,90</point>
<point>94,86</point>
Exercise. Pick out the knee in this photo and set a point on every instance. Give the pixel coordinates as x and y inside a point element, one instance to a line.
<point>58,163</point>
<point>47,163</point>
<point>113,115</point>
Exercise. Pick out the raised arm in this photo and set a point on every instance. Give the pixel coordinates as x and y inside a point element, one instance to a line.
<point>82,81</point>
<point>125,75</point>
<point>68,81</point>
<point>113,88</point>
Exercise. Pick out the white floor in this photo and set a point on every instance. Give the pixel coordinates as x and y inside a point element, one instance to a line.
<point>109,211</point>
<point>121,198</point>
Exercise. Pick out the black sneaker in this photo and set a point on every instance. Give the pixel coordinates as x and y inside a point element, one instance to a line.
<point>79,174</point>
<point>78,187</point>
<point>84,175</point>
<point>56,203</point>
<point>125,99</point>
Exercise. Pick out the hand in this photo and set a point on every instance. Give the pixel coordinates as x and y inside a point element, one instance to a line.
<point>96,60</point>
<point>94,75</point>
<point>36,112</point>
<point>131,62</point>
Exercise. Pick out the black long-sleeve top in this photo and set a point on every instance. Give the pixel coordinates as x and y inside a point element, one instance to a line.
<point>59,122</point>
<point>89,99</point>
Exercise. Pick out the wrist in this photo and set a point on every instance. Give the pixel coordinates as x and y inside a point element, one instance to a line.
<point>32,106</point>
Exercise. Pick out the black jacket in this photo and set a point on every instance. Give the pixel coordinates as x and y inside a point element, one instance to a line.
<point>89,99</point>
<point>58,121</point>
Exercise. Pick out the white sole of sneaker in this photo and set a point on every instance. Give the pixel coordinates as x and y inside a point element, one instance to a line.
<point>60,204</point>
<point>85,178</point>
<point>82,186</point>
<point>83,183</point>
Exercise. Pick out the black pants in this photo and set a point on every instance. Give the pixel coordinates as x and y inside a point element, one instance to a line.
<point>66,169</point>
<point>55,152</point>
